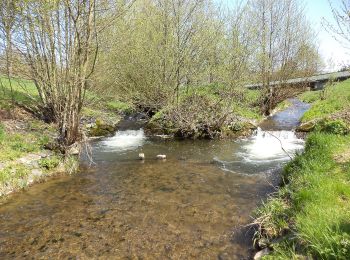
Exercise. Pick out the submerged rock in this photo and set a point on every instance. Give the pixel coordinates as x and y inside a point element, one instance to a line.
<point>141,156</point>
<point>161,156</point>
<point>262,253</point>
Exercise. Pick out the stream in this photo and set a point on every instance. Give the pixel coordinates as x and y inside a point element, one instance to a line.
<point>190,206</point>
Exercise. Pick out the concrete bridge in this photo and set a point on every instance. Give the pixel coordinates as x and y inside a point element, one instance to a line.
<point>315,82</point>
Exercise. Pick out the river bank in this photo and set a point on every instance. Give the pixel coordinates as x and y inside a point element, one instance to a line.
<point>191,205</point>
<point>27,155</point>
<point>309,215</point>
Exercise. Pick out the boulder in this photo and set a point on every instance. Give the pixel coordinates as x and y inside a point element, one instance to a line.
<point>101,129</point>
<point>262,253</point>
<point>307,126</point>
<point>30,160</point>
<point>73,150</point>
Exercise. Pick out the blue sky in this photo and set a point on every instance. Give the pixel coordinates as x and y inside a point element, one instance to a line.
<point>333,53</point>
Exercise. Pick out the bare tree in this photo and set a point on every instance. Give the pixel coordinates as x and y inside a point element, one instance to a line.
<point>283,34</point>
<point>59,43</point>
<point>7,25</point>
<point>340,28</point>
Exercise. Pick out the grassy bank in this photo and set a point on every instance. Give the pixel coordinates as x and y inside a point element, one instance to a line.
<point>310,214</point>
<point>24,158</point>
<point>27,152</point>
<point>331,101</point>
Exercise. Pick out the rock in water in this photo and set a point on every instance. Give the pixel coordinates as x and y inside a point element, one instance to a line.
<point>161,156</point>
<point>307,126</point>
<point>141,156</point>
<point>262,253</point>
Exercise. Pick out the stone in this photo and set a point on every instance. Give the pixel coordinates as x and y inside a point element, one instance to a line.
<point>262,253</point>
<point>45,154</point>
<point>35,174</point>
<point>307,127</point>
<point>30,160</point>
<point>251,125</point>
<point>73,151</point>
<point>161,156</point>
<point>141,156</point>
<point>102,129</point>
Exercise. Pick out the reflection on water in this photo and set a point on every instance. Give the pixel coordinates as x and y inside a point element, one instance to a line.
<point>188,206</point>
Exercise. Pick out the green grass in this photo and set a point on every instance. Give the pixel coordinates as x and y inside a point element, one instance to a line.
<point>336,99</point>
<point>314,205</point>
<point>13,175</point>
<point>23,91</point>
<point>14,145</point>
<point>283,105</point>
<point>119,106</point>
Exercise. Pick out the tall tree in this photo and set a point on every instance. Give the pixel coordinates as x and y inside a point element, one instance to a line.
<point>8,13</point>
<point>282,33</point>
<point>340,27</point>
<point>59,43</point>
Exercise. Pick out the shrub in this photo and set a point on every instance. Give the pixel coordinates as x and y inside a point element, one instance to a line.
<point>337,127</point>
<point>50,162</point>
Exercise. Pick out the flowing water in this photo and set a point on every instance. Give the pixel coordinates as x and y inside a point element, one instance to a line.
<point>190,206</point>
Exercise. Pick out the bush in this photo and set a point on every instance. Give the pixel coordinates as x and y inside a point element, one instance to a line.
<point>337,127</point>
<point>49,163</point>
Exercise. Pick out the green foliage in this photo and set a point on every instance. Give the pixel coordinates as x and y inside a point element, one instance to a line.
<point>283,105</point>
<point>206,112</point>
<point>23,92</point>
<point>13,174</point>
<point>317,196</point>
<point>50,162</point>
<point>337,98</point>
<point>118,106</point>
<point>337,127</point>
<point>31,139</point>
<point>15,145</point>
<point>101,129</point>
<point>310,96</point>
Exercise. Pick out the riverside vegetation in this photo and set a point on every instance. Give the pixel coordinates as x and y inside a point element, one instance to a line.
<point>309,215</point>
<point>28,144</point>
<point>71,69</point>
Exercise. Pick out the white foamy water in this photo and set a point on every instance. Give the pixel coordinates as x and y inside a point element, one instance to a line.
<point>125,140</point>
<point>268,146</point>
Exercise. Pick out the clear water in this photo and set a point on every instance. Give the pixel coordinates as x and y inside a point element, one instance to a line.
<point>192,205</point>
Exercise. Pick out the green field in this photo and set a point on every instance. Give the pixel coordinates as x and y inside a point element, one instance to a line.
<point>333,99</point>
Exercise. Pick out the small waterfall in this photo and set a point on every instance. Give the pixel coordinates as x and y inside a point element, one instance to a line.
<point>125,140</point>
<point>268,146</point>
